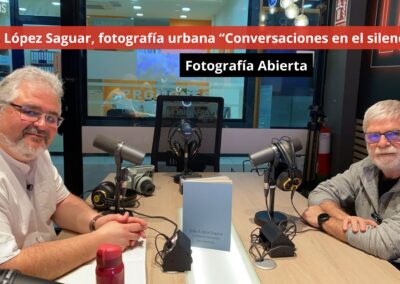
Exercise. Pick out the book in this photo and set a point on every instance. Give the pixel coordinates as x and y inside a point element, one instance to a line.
<point>207,212</point>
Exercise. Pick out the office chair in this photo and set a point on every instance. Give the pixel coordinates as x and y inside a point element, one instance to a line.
<point>198,119</point>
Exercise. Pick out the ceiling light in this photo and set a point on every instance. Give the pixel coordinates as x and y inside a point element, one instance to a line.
<point>301,20</point>
<point>56,3</point>
<point>139,14</point>
<point>183,16</point>
<point>292,11</point>
<point>185,9</point>
<point>286,3</point>
<point>22,9</point>
<point>137,7</point>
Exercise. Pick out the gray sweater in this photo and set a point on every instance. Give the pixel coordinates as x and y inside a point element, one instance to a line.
<point>356,190</point>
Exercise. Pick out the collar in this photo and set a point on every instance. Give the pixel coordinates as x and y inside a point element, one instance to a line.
<point>17,165</point>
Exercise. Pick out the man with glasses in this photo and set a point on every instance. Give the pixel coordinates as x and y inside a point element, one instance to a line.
<point>32,193</point>
<point>362,205</point>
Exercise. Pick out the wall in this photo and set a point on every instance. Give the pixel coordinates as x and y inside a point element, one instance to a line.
<point>341,93</point>
<point>382,81</point>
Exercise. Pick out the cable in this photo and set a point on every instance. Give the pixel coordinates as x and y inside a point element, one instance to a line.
<point>157,217</point>
<point>258,249</point>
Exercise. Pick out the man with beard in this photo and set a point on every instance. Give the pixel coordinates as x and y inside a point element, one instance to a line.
<point>362,205</point>
<point>32,193</point>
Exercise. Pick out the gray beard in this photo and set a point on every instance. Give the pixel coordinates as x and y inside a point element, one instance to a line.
<point>385,166</point>
<point>19,148</point>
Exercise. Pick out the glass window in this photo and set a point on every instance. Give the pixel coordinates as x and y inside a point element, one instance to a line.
<point>5,54</point>
<point>48,8</point>
<point>284,102</point>
<point>127,83</point>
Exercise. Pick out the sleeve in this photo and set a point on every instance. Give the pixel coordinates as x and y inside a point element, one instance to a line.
<point>382,241</point>
<point>8,244</point>
<point>61,190</point>
<point>341,189</point>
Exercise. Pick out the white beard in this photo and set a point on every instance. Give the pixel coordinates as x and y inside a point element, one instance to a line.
<point>387,163</point>
<point>20,149</point>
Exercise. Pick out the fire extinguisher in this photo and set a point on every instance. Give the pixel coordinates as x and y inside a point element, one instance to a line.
<point>324,152</point>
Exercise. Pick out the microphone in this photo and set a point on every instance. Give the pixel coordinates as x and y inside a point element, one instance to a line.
<point>186,129</point>
<point>267,155</point>
<point>15,277</point>
<point>110,145</point>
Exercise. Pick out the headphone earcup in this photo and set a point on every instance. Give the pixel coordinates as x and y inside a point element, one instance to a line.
<point>177,149</point>
<point>192,148</point>
<point>103,192</point>
<point>285,183</point>
<point>282,181</point>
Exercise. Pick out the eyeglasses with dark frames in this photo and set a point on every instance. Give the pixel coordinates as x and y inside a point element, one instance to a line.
<point>374,137</point>
<point>28,114</point>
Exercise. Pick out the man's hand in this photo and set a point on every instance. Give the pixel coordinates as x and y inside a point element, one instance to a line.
<point>357,223</point>
<point>123,234</point>
<point>311,215</point>
<point>137,230</point>
<point>120,219</point>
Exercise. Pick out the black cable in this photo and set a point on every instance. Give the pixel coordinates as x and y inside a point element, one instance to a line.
<point>158,217</point>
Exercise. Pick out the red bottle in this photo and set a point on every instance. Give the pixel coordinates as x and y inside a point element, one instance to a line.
<point>110,268</point>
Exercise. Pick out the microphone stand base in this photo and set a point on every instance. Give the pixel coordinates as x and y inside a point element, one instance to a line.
<point>276,217</point>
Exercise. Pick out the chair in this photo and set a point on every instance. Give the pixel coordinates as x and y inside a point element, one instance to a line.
<point>203,116</point>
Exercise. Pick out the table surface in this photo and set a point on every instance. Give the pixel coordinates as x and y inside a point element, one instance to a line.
<point>319,258</point>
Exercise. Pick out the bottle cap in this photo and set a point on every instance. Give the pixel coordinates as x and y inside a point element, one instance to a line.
<point>108,255</point>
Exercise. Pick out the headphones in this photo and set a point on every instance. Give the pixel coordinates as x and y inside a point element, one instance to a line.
<point>103,196</point>
<point>291,177</point>
<point>175,141</point>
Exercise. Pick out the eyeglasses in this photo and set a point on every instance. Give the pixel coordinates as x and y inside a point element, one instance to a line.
<point>374,137</point>
<point>28,114</point>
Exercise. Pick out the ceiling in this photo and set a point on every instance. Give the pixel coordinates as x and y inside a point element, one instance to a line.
<point>151,9</point>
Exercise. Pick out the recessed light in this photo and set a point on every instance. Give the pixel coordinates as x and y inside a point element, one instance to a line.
<point>137,7</point>
<point>185,9</point>
<point>183,16</point>
<point>56,3</point>
<point>139,14</point>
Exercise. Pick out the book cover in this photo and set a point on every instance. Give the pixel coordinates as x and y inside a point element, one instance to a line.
<point>207,212</point>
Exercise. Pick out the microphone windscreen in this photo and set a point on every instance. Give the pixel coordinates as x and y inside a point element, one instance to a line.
<point>296,144</point>
<point>106,144</point>
<point>264,156</point>
<point>109,145</point>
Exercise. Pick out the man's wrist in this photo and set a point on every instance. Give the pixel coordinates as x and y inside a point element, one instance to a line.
<point>322,218</point>
<point>92,224</point>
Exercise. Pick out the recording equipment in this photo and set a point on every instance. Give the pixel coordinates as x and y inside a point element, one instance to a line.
<point>268,155</point>
<point>177,255</point>
<point>291,178</point>
<point>186,149</point>
<point>15,277</point>
<point>140,179</point>
<point>191,138</point>
<point>275,241</point>
<point>103,196</point>
<point>186,129</point>
<point>110,146</point>
<point>121,152</point>
<point>282,172</point>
